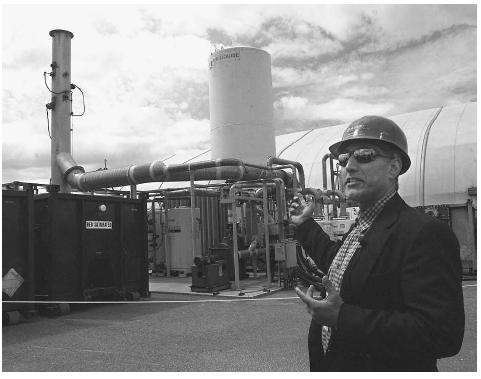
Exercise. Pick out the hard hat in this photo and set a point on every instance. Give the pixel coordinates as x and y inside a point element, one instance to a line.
<point>379,129</point>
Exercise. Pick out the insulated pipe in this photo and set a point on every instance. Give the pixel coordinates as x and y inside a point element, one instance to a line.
<point>324,171</point>
<point>61,104</point>
<point>331,166</point>
<point>324,194</point>
<point>186,192</point>
<point>158,171</point>
<point>192,213</point>
<point>154,234</point>
<point>235,246</point>
<point>280,161</point>
<point>294,177</point>
<point>166,238</point>
<point>266,234</point>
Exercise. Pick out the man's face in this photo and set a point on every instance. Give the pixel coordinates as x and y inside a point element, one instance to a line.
<point>367,182</point>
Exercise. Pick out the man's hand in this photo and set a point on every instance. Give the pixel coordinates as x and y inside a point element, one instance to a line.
<point>325,311</point>
<point>300,210</point>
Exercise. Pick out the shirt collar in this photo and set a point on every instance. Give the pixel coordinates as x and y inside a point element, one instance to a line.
<point>370,213</point>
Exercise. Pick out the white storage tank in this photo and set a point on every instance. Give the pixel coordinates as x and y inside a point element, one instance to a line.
<point>241,108</point>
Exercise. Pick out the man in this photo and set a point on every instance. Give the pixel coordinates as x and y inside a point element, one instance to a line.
<point>394,297</point>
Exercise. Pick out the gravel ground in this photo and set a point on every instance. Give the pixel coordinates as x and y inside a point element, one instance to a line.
<point>195,334</point>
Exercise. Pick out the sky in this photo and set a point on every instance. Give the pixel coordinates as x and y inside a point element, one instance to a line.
<point>144,72</point>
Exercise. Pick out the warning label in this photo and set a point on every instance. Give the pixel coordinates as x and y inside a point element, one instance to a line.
<point>11,282</point>
<point>98,224</point>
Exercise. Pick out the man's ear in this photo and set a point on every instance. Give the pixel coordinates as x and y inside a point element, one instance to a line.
<point>395,166</point>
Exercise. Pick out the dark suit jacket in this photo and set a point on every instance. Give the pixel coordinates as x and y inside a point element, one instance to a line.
<point>403,301</point>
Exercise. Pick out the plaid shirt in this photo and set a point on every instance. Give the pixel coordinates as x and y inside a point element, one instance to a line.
<point>349,247</point>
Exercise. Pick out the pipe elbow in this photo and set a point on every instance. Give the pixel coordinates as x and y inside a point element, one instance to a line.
<point>71,172</point>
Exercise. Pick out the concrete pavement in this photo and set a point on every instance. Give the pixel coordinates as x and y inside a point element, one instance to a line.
<point>196,334</point>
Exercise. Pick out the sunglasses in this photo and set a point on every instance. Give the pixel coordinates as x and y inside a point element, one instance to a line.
<point>360,155</point>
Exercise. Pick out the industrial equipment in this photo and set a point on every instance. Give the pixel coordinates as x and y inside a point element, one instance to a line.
<point>95,244</point>
<point>184,242</point>
<point>209,274</point>
<point>90,247</point>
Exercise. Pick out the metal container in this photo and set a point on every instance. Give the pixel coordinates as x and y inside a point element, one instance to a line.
<point>226,253</point>
<point>210,277</point>
<point>17,253</point>
<point>181,238</point>
<point>90,247</point>
<point>240,103</point>
<point>213,215</point>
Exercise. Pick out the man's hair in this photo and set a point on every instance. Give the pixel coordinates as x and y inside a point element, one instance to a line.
<point>393,153</point>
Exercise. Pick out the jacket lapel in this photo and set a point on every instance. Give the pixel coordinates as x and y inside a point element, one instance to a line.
<point>372,245</point>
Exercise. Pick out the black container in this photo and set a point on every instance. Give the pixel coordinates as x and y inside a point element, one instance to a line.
<point>225,253</point>
<point>18,250</point>
<point>210,277</point>
<point>90,247</point>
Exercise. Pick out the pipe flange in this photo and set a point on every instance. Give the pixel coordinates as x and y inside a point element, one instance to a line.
<point>70,169</point>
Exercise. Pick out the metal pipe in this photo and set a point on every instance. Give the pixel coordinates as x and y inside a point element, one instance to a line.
<point>166,238</point>
<point>61,102</point>
<point>334,205</point>
<point>250,253</point>
<point>295,182</point>
<point>324,171</point>
<point>235,247</point>
<point>280,161</point>
<point>186,192</point>
<point>133,192</point>
<point>154,235</point>
<point>266,233</point>
<point>234,224</point>
<point>158,171</point>
<point>471,236</point>
<point>281,196</point>
<point>192,213</point>
<point>324,195</point>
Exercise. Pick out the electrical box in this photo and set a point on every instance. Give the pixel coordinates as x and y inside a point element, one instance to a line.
<point>184,243</point>
<point>285,251</point>
<point>279,252</point>
<point>291,256</point>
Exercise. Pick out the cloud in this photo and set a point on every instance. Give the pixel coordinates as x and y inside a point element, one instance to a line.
<point>341,108</point>
<point>144,73</point>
